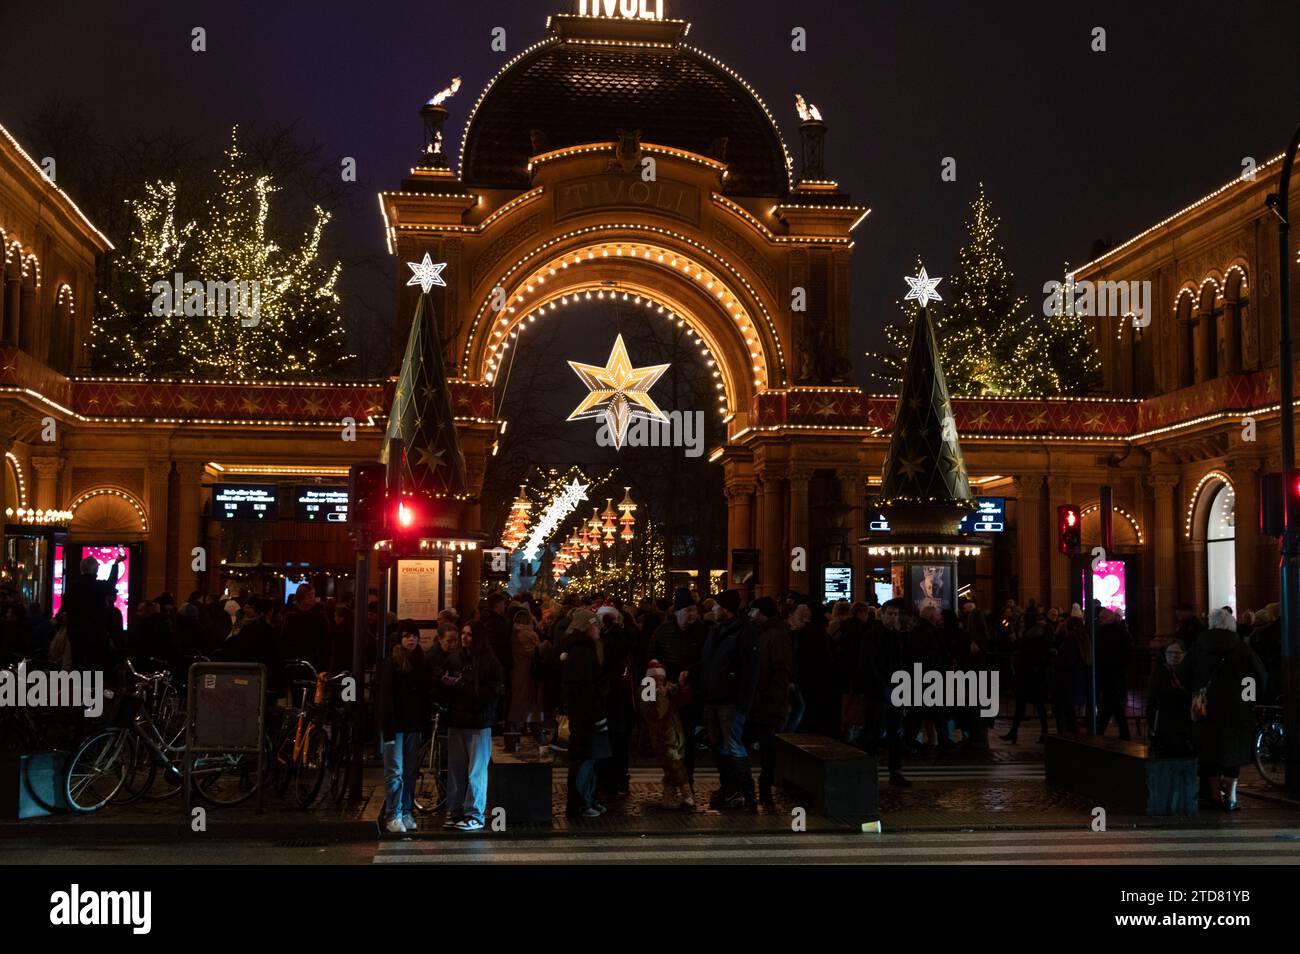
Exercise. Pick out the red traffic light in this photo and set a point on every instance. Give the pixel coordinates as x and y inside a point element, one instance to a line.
<point>1070,533</point>
<point>405,515</point>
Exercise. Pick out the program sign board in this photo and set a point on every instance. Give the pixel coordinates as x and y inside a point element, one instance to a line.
<point>624,9</point>
<point>320,504</point>
<point>837,583</point>
<point>245,501</point>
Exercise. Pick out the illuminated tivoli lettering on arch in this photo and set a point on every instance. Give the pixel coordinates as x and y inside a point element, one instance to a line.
<point>630,9</point>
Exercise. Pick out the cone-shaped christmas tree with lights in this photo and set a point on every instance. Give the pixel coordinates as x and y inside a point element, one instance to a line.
<point>925,469</point>
<point>420,448</point>
<point>925,491</point>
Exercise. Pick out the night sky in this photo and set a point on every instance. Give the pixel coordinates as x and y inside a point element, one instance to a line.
<point>1073,146</point>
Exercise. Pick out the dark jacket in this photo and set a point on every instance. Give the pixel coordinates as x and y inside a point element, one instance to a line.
<point>83,605</point>
<point>1266,641</point>
<point>1169,714</point>
<point>307,636</point>
<point>151,638</point>
<point>846,649</point>
<point>775,673</point>
<point>254,643</point>
<point>618,698</point>
<point>499,634</point>
<point>1114,651</point>
<point>729,664</point>
<point>585,697</point>
<point>472,700</point>
<point>677,649</point>
<point>1218,663</point>
<point>881,656</point>
<point>402,701</point>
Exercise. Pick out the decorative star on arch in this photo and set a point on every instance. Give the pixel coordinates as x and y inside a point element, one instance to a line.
<point>427,274</point>
<point>618,392</point>
<point>922,288</point>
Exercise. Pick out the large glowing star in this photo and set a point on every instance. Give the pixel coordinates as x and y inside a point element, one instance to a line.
<point>427,274</point>
<point>618,392</point>
<point>922,288</point>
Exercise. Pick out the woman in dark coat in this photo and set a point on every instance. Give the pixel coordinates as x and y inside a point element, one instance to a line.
<point>585,696</point>
<point>1033,661</point>
<point>1169,707</point>
<point>402,710</point>
<point>1220,663</point>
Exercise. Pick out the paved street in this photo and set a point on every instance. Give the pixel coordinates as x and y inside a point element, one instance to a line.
<point>1263,845</point>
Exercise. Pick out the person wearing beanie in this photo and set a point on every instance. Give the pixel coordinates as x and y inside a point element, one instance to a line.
<point>666,737</point>
<point>772,697</point>
<point>728,681</point>
<point>677,643</point>
<point>402,711</point>
<point>1076,611</point>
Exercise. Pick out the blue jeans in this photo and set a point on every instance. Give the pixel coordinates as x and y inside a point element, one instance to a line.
<point>794,715</point>
<point>401,765</point>
<point>582,786</point>
<point>726,728</point>
<point>468,751</point>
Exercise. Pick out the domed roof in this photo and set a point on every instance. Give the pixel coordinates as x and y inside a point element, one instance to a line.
<point>574,91</point>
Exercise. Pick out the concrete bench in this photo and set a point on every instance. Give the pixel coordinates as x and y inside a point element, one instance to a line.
<point>1122,777</point>
<point>520,782</point>
<point>831,778</point>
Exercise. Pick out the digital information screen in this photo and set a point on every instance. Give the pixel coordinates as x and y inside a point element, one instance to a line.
<point>837,583</point>
<point>321,504</point>
<point>245,501</point>
<point>991,516</point>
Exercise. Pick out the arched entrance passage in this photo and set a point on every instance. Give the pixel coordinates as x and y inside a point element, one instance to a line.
<point>744,349</point>
<point>614,158</point>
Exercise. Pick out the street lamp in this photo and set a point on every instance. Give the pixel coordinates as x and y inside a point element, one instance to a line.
<point>1279,203</point>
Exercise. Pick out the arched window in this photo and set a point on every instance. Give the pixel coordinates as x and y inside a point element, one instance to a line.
<point>1238,328</point>
<point>1220,549</point>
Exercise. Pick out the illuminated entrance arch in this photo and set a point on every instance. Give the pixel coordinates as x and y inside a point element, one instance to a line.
<point>612,160</point>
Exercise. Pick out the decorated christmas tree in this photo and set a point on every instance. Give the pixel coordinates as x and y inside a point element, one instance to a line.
<point>991,341</point>
<point>248,306</point>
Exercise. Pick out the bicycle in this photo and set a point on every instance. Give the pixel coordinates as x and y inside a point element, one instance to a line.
<point>1270,745</point>
<point>319,743</point>
<point>162,701</point>
<point>98,769</point>
<point>431,781</point>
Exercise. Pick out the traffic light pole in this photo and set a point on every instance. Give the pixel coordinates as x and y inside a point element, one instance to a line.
<point>360,599</point>
<point>1280,204</point>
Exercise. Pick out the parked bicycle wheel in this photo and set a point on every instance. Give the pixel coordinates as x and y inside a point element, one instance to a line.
<point>1270,753</point>
<point>431,782</point>
<point>312,767</point>
<point>340,761</point>
<point>96,771</point>
<point>141,769</point>
<point>225,779</point>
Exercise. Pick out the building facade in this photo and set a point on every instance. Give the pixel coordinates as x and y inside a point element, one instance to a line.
<point>613,159</point>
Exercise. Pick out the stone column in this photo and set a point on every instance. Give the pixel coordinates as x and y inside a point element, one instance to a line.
<point>770,545</point>
<point>155,552</point>
<point>189,484</point>
<point>852,492</point>
<point>1254,586</point>
<point>799,533</point>
<point>1164,548</point>
<point>45,493</point>
<point>1029,534</point>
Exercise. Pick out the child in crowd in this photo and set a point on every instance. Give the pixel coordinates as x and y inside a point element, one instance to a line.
<point>667,738</point>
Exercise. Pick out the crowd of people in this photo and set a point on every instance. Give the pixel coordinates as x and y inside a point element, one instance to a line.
<point>600,680</point>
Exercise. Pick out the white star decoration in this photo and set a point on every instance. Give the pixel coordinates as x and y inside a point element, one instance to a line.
<point>615,389</point>
<point>426,274</point>
<point>922,288</point>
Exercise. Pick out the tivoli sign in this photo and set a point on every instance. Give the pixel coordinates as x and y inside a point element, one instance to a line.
<point>629,9</point>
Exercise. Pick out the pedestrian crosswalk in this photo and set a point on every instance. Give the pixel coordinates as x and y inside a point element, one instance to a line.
<point>992,772</point>
<point>1265,846</point>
